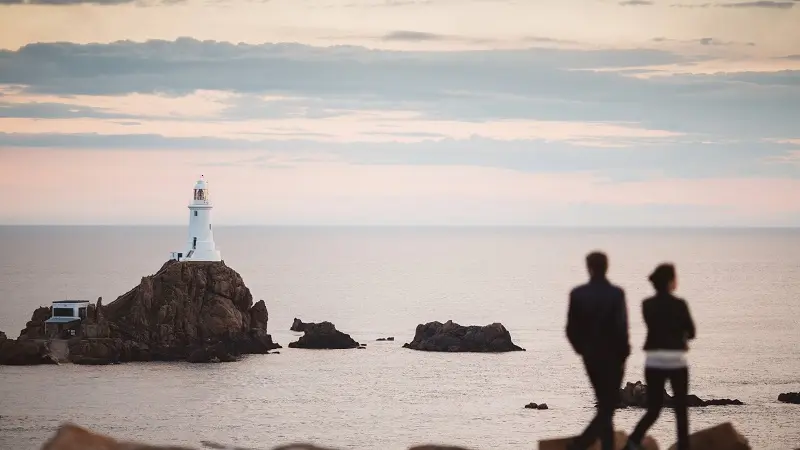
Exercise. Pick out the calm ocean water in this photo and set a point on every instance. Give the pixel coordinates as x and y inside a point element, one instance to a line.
<point>743,287</point>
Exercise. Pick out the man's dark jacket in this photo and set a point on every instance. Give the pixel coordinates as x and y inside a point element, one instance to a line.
<point>597,321</point>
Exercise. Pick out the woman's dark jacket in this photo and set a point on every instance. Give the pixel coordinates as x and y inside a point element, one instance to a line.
<point>669,323</point>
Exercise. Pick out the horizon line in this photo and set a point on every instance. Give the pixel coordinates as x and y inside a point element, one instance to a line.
<point>532,226</point>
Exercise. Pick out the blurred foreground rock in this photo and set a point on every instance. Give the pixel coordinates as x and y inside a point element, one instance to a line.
<point>452,337</point>
<point>73,437</point>
<point>720,437</point>
<point>620,438</point>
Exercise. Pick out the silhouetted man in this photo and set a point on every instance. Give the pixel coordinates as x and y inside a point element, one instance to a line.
<point>597,329</point>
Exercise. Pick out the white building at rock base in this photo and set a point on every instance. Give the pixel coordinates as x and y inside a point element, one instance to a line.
<point>201,246</point>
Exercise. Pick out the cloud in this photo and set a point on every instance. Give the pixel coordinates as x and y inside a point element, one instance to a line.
<point>548,40</point>
<point>387,3</point>
<point>686,159</point>
<point>422,36</point>
<point>740,5</point>
<point>705,41</point>
<point>759,4</point>
<point>536,84</point>
<point>414,36</point>
<point>637,3</point>
<point>88,2</point>
<point>51,110</point>
<point>186,64</point>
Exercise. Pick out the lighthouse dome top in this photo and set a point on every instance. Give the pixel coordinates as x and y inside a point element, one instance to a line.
<point>201,183</point>
<point>200,196</point>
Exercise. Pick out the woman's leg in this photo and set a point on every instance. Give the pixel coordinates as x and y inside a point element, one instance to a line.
<point>654,378</point>
<point>679,379</point>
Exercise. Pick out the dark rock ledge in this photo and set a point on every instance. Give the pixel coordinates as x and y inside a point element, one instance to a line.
<point>635,395</point>
<point>790,397</point>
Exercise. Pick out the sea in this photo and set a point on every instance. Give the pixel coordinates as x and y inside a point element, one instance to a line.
<point>742,286</point>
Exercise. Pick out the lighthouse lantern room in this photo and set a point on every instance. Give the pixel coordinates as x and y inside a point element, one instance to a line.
<point>200,246</point>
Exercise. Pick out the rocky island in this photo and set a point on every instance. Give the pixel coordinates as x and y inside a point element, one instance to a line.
<point>452,337</point>
<point>323,335</point>
<point>195,311</point>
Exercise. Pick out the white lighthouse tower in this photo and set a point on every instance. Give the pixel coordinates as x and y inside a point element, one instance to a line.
<point>201,245</point>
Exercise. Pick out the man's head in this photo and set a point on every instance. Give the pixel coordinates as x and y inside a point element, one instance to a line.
<point>597,264</point>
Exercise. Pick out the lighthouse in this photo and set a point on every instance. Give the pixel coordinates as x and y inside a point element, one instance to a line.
<point>200,246</point>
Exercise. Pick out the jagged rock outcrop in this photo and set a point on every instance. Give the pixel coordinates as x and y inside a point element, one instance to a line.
<point>299,325</point>
<point>190,305</point>
<point>452,337</point>
<point>25,352</point>
<point>790,397</point>
<point>635,395</point>
<point>324,335</point>
<point>34,329</point>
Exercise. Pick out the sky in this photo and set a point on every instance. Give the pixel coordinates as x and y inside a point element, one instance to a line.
<point>401,112</point>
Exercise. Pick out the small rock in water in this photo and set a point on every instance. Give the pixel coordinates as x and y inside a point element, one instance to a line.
<point>790,397</point>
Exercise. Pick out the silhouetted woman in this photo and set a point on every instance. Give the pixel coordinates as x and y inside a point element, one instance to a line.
<point>669,328</point>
